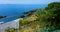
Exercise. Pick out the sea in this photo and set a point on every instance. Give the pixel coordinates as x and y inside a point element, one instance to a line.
<point>14,11</point>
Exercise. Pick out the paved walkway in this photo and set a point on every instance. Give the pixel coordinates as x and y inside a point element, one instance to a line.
<point>13,23</point>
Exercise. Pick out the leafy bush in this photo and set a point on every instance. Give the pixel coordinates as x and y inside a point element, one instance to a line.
<point>11,30</point>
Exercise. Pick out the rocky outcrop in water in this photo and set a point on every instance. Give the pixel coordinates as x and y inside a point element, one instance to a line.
<point>3,17</point>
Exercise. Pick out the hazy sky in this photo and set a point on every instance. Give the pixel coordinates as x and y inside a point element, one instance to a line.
<point>27,1</point>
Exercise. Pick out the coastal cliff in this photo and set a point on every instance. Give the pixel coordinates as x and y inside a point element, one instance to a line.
<point>41,20</point>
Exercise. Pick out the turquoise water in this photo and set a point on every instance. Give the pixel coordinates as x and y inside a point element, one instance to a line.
<point>14,11</point>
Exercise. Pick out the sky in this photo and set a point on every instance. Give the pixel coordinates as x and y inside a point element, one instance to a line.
<point>27,1</point>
